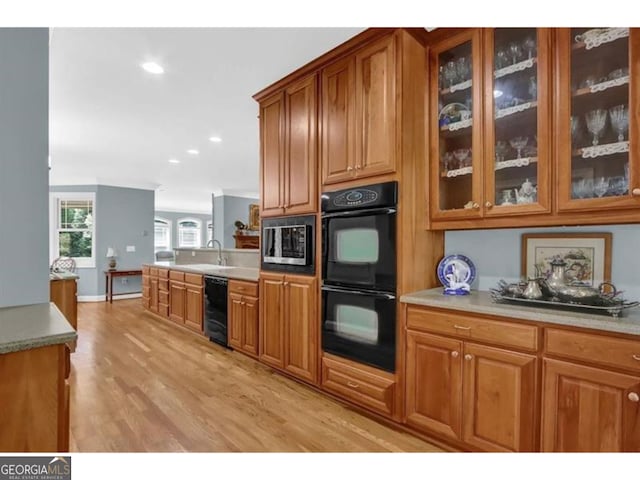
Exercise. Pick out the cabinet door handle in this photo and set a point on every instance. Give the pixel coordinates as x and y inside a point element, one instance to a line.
<point>286,284</point>
<point>488,204</point>
<point>461,328</point>
<point>635,192</point>
<point>353,385</point>
<point>358,167</point>
<point>468,356</point>
<point>455,354</point>
<point>633,396</point>
<point>636,357</point>
<point>349,168</point>
<point>476,206</point>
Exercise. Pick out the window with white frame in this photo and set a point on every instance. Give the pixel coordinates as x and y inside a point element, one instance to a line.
<point>189,233</point>
<point>162,234</point>
<point>73,228</point>
<point>209,231</point>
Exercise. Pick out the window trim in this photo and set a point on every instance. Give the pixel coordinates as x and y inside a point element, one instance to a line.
<point>54,246</point>
<point>209,228</point>
<point>189,219</point>
<point>169,226</point>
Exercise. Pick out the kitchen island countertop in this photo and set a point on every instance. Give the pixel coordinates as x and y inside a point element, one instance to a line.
<point>33,326</point>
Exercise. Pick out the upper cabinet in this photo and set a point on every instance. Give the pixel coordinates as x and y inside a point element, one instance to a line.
<point>358,95</point>
<point>597,115</point>
<point>490,97</point>
<point>289,150</point>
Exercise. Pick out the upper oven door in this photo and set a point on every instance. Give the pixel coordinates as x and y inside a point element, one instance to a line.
<point>359,249</point>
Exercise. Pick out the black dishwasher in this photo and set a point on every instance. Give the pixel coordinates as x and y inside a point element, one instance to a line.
<point>215,309</point>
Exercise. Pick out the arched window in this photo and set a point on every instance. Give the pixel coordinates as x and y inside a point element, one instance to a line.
<point>162,234</point>
<point>189,233</point>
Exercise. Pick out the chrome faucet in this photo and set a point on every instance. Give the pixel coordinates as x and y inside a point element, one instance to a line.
<point>213,242</point>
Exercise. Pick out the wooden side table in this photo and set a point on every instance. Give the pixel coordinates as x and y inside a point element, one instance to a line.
<point>109,276</point>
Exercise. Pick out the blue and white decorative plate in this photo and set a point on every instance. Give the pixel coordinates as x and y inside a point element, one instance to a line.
<point>456,273</point>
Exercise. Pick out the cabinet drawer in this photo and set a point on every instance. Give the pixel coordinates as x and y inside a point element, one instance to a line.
<point>146,280</point>
<point>163,297</point>
<point>371,389</point>
<point>163,273</point>
<point>178,276</point>
<point>193,279</point>
<point>243,288</point>
<point>592,348</point>
<point>146,291</point>
<point>481,329</point>
<point>153,271</point>
<point>163,285</point>
<point>145,270</point>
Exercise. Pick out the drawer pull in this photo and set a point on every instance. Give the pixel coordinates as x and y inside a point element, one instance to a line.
<point>636,357</point>
<point>353,385</point>
<point>468,356</point>
<point>454,354</point>
<point>461,328</point>
<point>633,396</point>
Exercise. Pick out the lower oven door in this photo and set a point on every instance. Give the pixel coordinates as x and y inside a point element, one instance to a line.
<point>360,325</point>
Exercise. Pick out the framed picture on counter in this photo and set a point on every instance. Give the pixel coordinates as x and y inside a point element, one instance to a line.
<point>588,255</point>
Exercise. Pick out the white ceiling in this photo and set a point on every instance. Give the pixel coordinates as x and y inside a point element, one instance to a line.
<point>113,123</point>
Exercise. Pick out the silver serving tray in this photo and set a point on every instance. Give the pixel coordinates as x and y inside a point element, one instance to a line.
<point>615,311</point>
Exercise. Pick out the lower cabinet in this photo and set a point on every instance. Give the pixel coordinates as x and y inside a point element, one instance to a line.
<point>177,299</point>
<point>367,386</point>
<point>588,409</point>
<point>186,300</point>
<point>243,318</point>
<point>193,315</point>
<point>289,326</point>
<point>482,396</point>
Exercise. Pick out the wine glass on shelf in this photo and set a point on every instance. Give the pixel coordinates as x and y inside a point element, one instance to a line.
<point>530,47</point>
<point>518,143</point>
<point>502,59</point>
<point>461,155</point>
<point>601,187</point>
<point>501,150</point>
<point>576,129</point>
<point>516,52</point>
<point>619,120</point>
<point>448,161</point>
<point>450,73</point>
<point>596,120</point>
<point>463,69</point>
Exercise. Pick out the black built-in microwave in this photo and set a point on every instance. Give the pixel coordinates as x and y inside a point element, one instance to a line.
<point>288,244</point>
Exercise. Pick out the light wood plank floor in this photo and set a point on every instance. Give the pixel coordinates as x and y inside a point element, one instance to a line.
<point>139,384</point>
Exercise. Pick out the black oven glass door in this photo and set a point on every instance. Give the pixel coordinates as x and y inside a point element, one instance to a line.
<point>359,249</point>
<point>360,326</point>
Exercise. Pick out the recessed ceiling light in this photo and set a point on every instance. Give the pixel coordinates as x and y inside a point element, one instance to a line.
<point>193,151</point>
<point>215,139</point>
<point>152,67</point>
<point>173,160</point>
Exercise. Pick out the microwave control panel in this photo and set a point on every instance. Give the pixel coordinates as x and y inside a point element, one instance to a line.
<point>355,198</point>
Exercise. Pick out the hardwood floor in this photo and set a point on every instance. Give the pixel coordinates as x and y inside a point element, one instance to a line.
<point>140,384</point>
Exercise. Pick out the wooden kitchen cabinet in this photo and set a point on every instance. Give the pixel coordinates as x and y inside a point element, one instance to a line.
<point>482,397</point>
<point>288,324</point>
<point>288,133</point>
<point>193,310</point>
<point>359,113</point>
<point>177,299</point>
<point>243,317</point>
<point>64,293</point>
<point>434,384</point>
<point>491,121</point>
<point>597,119</point>
<point>587,409</point>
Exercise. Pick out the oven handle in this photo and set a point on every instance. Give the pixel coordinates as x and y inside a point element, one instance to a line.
<point>327,288</point>
<point>359,213</point>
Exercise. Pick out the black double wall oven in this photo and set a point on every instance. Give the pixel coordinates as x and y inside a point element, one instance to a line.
<point>359,274</point>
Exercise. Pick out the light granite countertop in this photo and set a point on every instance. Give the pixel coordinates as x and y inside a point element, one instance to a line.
<point>33,326</point>
<point>480,302</point>
<point>237,273</point>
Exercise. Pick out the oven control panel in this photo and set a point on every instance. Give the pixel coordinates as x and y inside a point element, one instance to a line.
<point>354,198</point>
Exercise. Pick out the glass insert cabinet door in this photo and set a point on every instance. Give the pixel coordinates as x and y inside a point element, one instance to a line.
<point>517,121</point>
<point>456,148</point>
<point>597,118</point>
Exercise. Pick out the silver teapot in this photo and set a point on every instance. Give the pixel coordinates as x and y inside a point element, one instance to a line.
<point>575,292</point>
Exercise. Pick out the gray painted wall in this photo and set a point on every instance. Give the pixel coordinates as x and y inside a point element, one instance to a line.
<point>24,147</point>
<point>175,216</point>
<point>496,253</point>
<point>235,208</point>
<point>124,216</point>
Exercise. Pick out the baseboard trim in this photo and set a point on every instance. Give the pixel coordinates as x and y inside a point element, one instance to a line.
<point>100,298</point>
